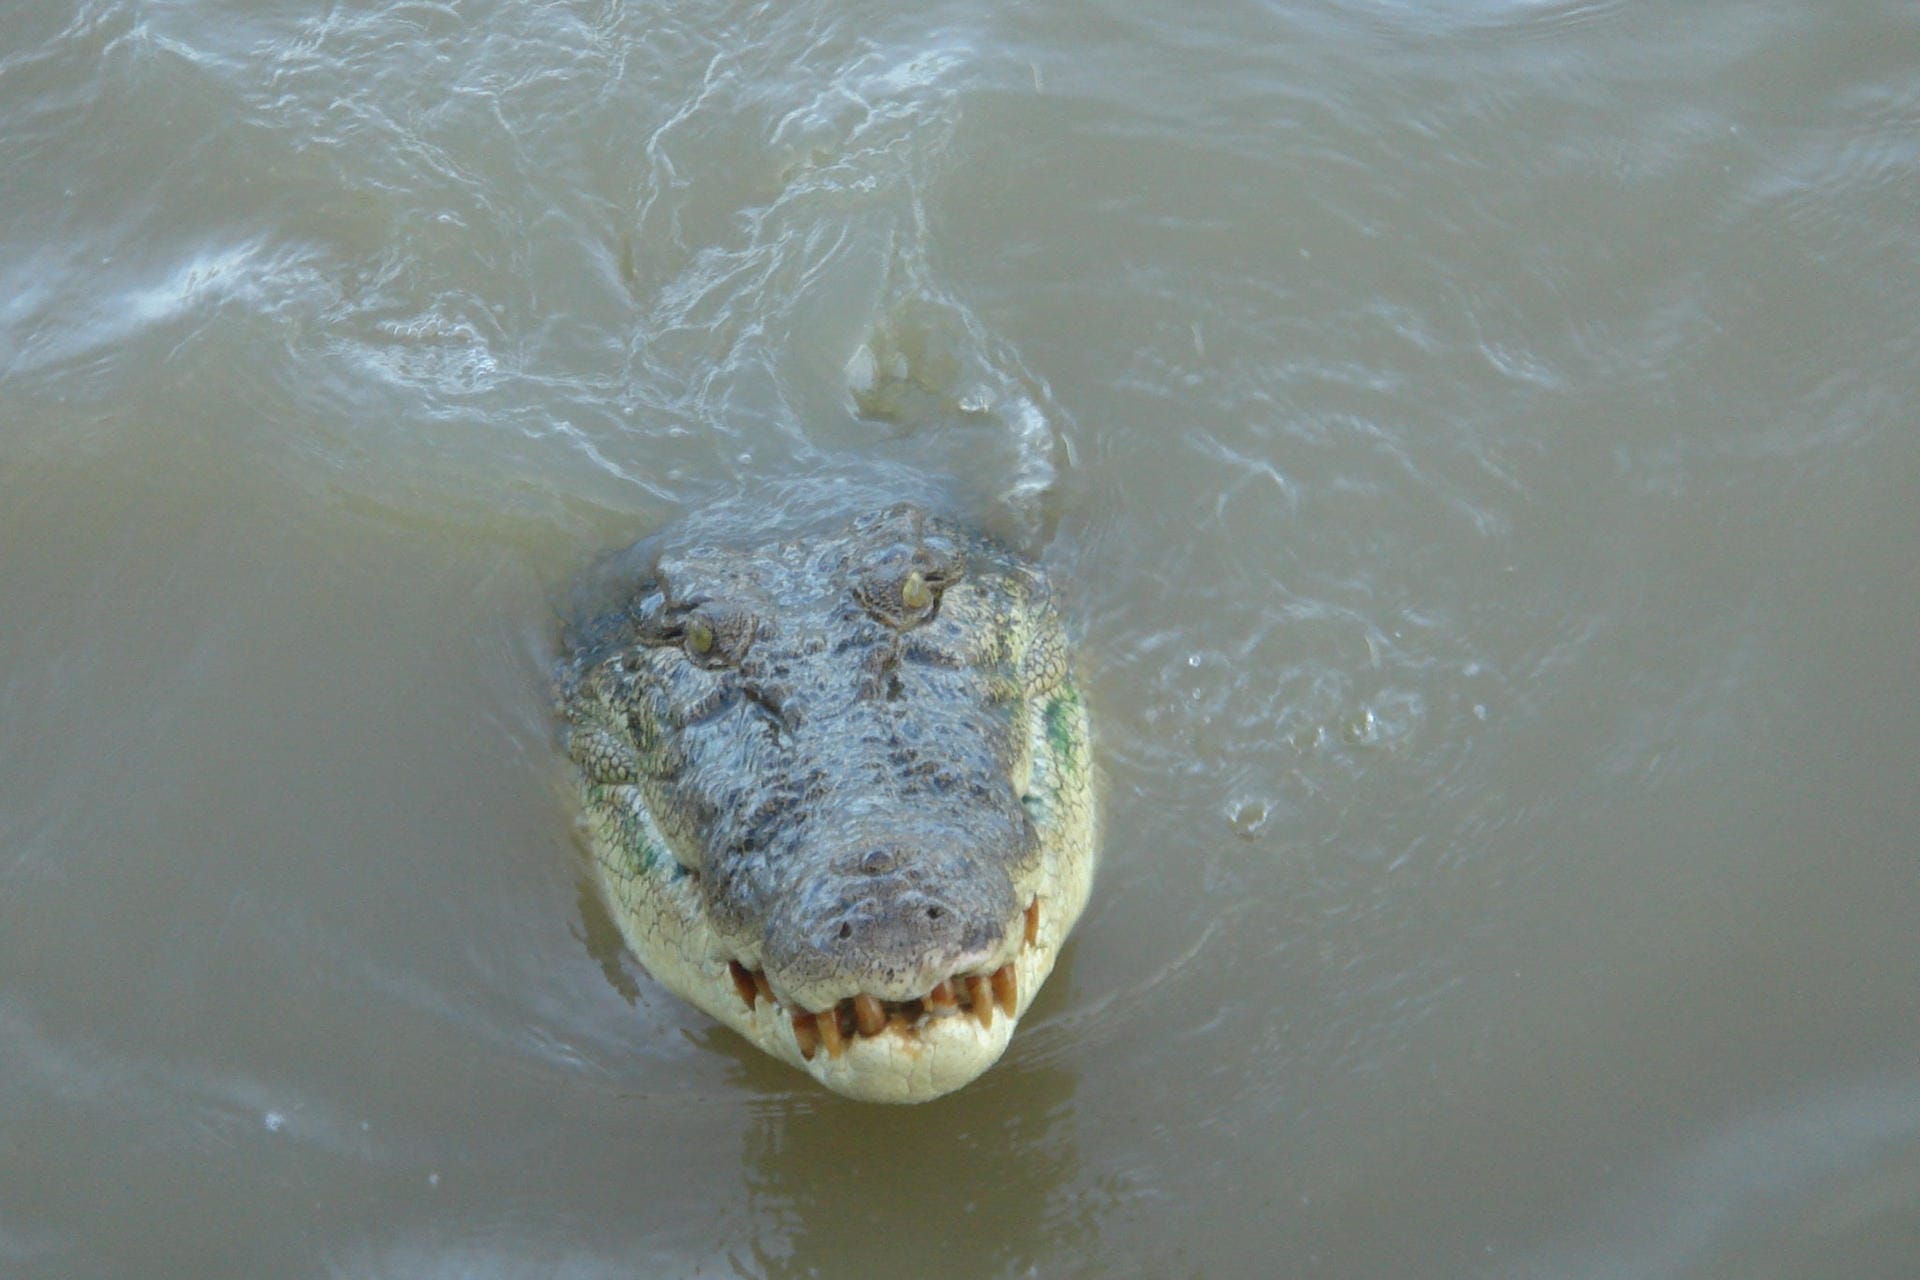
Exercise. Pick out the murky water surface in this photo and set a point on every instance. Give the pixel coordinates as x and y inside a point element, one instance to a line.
<point>1478,440</point>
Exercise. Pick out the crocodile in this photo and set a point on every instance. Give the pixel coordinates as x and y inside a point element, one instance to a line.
<point>838,792</point>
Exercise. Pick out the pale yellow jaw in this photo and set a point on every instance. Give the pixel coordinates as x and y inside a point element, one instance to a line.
<point>897,1051</point>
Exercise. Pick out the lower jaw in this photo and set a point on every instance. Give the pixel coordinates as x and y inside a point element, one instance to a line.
<point>937,1054</point>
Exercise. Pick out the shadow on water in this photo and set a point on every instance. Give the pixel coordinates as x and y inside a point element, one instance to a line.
<point>600,935</point>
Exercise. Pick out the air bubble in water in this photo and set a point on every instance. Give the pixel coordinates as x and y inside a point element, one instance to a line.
<point>1248,816</point>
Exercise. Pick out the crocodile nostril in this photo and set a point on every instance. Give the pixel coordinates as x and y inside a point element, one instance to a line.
<point>934,913</point>
<point>877,861</point>
<point>846,931</point>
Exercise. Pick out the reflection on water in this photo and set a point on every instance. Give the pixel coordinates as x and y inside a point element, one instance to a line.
<point>960,1187</point>
<point>1473,441</point>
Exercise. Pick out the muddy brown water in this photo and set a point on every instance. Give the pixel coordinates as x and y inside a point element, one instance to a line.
<point>1478,442</point>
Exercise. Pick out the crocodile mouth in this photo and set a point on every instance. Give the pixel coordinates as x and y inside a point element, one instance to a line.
<point>973,995</point>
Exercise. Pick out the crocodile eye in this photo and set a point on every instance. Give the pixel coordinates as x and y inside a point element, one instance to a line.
<point>699,637</point>
<point>717,634</point>
<point>915,593</point>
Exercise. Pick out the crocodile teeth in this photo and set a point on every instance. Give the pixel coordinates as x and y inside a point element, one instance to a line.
<point>979,989</point>
<point>1005,989</point>
<point>806,1034</point>
<point>865,1015</point>
<point>869,1015</point>
<point>1033,921</point>
<point>827,1022</point>
<point>742,982</point>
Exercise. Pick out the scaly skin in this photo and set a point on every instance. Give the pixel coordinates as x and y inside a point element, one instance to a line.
<point>839,793</point>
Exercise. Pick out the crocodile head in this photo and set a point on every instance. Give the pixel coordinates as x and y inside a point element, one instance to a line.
<point>839,793</point>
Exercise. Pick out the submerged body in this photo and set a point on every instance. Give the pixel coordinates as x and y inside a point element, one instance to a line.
<point>839,793</point>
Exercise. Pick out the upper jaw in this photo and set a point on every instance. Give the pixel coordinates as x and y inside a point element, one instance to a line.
<point>815,976</point>
<point>887,916</point>
<point>963,1017</point>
